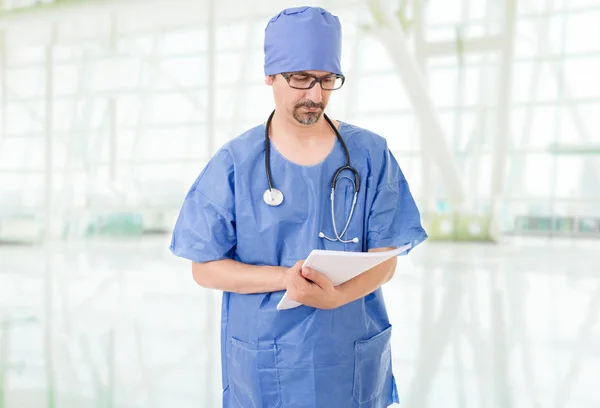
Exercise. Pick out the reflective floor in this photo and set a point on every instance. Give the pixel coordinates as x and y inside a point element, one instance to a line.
<point>122,324</point>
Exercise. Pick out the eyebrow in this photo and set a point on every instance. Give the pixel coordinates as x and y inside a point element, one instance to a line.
<point>312,75</point>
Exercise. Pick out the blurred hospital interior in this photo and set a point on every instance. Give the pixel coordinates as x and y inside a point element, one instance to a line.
<point>109,110</point>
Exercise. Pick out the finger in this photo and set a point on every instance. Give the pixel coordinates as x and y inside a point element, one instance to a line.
<point>297,279</point>
<point>318,278</point>
<point>296,268</point>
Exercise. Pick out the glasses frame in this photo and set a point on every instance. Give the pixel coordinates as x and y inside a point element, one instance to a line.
<point>288,75</point>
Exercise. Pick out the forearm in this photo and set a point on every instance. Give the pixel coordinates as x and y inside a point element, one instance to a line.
<point>232,276</point>
<point>366,282</point>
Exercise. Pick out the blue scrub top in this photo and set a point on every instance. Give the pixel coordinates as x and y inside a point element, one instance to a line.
<point>301,357</point>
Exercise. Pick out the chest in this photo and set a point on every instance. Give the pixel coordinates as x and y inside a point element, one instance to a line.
<point>308,213</point>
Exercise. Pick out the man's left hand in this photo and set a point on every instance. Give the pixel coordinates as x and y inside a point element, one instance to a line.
<point>311,288</point>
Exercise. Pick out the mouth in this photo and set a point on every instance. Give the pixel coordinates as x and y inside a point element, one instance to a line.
<point>311,109</point>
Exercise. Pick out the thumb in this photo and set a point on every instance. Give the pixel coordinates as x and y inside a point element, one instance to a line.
<point>316,277</point>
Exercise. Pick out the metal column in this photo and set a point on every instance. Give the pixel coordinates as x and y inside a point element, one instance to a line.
<point>212,384</point>
<point>504,114</point>
<point>391,35</point>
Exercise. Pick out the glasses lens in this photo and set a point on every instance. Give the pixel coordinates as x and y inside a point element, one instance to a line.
<point>301,81</point>
<point>332,82</point>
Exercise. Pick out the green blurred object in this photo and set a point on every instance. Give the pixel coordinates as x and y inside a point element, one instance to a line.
<point>557,225</point>
<point>21,228</point>
<point>575,149</point>
<point>564,224</point>
<point>458,227</point>
<point>123,224</point>
<point>589,225</point>
<point>19,9</point>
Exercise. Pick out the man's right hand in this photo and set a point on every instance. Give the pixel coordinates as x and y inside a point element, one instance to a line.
<point>311,288</point>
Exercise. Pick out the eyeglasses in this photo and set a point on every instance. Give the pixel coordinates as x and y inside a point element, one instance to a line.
<point>304,80</point>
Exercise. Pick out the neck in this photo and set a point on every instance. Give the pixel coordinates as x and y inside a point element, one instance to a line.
<point>301,144</point>
<point>291,129</point>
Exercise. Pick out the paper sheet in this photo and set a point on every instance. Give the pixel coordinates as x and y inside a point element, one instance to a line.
<point>341,266</point>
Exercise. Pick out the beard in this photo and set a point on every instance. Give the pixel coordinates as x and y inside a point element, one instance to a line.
<point>307,118</point>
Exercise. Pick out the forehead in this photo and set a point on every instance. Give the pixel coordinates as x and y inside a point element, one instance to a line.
<point>316,73</point>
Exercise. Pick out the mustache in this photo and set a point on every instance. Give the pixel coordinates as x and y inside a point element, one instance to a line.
<point>309,104</point>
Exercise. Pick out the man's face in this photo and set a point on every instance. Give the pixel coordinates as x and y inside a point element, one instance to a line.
<point>305,105</point>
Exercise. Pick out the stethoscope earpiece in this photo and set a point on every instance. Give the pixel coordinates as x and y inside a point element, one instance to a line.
<point>274,197</point>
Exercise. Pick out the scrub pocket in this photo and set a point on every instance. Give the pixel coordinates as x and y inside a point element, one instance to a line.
<point>253,377</point>
<point>373,358</point>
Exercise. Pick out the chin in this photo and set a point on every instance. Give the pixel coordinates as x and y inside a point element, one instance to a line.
<point>308,118</point>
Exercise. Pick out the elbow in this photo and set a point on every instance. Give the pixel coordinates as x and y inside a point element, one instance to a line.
<point>201,275</point>
<point>391,271</point>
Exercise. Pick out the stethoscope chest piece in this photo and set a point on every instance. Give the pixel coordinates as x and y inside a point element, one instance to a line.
<point>273,197</point>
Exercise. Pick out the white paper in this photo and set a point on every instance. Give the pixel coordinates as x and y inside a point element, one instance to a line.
<point>341,266</point>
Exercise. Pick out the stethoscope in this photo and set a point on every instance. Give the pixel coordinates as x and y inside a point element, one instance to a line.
<point>274,197</point>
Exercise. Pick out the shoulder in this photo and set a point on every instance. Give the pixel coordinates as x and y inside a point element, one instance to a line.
<point>371,149</point>
<point>237,150</point>
<point>364,141</point>
<point>231,155</point>
<point>250,142</point>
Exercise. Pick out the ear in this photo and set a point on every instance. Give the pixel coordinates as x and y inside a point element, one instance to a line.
<point>269,80</point>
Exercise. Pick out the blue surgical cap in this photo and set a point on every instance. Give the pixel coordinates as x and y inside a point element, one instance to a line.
<point>303,39</point>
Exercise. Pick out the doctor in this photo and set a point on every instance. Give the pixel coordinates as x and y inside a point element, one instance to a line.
<point>298,182</point>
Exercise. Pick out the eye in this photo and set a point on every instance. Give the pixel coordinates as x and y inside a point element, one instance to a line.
<point>301,78</point>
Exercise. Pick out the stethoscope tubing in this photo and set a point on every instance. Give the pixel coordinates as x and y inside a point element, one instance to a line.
<point>274,197</point>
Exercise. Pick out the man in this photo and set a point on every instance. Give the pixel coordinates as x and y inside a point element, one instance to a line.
<point>264,202</point>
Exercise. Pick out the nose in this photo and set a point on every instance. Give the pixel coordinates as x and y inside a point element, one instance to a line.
<point>315,93</point>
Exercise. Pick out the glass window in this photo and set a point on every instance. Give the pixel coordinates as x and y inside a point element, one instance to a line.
<point>24,117</point>
<point>374,56</point>
<point>169,73</point>
<point>26,82</point>
<point>583,31</point>
<point>112,74</point>
<point>442,11</point>
<point>398,129</point>
<point>533,81</point>
<point>589,113</point>
<point>381,92</point>
<point>534,127</point>
<point>184,41</point>
<point>581,77</point>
